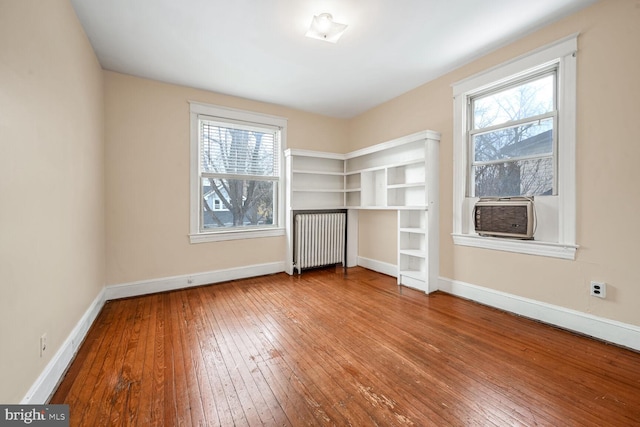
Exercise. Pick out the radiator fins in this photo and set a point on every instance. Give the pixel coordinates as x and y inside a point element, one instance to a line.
<point>319,239</point>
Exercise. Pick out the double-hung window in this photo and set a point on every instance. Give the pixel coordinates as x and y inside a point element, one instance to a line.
<point>236,174</point>
<point>511,138</point>
<point>514,135</point>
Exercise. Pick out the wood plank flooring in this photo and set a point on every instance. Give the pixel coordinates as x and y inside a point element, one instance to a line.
<point>331,348</point>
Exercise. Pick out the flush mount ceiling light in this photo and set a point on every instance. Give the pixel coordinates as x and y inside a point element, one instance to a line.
<point>323,28</point>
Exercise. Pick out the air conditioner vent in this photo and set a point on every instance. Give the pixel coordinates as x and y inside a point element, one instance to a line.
<point>512,217</point>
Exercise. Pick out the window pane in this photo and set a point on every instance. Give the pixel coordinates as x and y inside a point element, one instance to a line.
<point>515,103</point>
<point>237,203</point>
<point>237,151</point>
<point>532,177</point>
<point>532,139</point>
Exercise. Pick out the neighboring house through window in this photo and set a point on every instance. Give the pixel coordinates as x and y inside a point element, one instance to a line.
<point>514,135</point>
<point>236,176</point>
<point>511,135</point>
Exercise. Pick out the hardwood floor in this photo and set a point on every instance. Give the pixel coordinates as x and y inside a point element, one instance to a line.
<point>329,348</point>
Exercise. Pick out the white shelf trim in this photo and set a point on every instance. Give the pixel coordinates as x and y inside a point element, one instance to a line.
<point>406,185</point>
<point>410,208</point>
<point>319,190</point>
<point>414,253</point>
<point>415,274</point>
<point>385,166</point>
<point>310,153</point>
<point>393,208</point>
<point>415,230</point>
<point>317,172</point>
<point>318,207</point>
<point>425,134</point>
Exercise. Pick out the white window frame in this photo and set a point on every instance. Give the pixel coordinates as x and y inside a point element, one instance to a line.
<point>562,243</point>
<point>550,115</point>
<point>198,109</point>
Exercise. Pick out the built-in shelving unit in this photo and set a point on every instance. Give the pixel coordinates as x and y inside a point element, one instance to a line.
<point>412,247</point>
<point>316,180</point>
<point>401,175</point>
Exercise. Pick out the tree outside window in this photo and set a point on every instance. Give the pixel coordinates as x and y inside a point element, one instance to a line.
<point>512,139</point>
<point>239,173</point>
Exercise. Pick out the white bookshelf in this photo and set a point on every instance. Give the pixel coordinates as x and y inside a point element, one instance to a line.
<point>413,266</point>
<point>401,175</point>
<point>315,180</point>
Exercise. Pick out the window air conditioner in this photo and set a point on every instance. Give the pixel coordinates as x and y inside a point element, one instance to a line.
<point>505,217</point>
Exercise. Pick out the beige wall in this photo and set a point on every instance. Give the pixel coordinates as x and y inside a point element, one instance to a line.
<point>147,140</point>
<point>607,168</point>
<point>51,184</point>
<point>378,236</point>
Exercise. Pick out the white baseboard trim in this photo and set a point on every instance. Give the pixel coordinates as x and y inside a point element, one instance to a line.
<point>598,327</point>
<point>379,266</point>
<point>164,284</point>
<point>46,383</point>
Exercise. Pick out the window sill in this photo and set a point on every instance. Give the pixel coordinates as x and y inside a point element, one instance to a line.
<point>219,236</point>
<point>529,247</point>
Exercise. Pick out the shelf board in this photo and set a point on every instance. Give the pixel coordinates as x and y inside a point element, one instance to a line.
<point>352,190</point>
<point>376,207</point>
<point>317,172</point>
<point>318,207</point>
<point>407,185</point>
<point>327,190</point>
<point>414,274</point>
<point>415,161</point>
<point>425,134</point>
<point>415,230</point>
<point>387,166</point>
<point>315,154</point>
<point>413,252</point>
<point>410,208</point>
<point>391,208</point>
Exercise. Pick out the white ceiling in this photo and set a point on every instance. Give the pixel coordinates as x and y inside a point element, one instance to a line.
<point>256,49</point>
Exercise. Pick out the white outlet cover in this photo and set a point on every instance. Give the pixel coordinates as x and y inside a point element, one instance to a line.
<point>599,289</point>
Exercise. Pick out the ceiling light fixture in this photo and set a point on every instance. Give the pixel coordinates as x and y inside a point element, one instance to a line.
<point>323,28</point>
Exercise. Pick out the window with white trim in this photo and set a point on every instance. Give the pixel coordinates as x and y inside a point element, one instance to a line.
<point>236,174</point>
<point>514,135</point>
<point>511,138</point>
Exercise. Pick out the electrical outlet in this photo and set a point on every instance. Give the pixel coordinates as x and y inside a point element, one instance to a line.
<point>599,289</point>
<point>43,344</point>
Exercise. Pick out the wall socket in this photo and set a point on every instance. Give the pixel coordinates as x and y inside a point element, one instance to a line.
<point>599,289</point>
<point>43,344</point>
